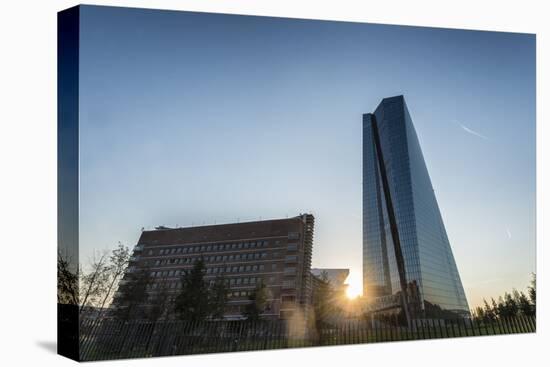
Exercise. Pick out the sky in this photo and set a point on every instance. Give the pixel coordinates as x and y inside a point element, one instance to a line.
<point>194,118</point>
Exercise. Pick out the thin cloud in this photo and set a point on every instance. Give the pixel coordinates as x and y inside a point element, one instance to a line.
<point>475,133</point>
<point>509,234</point>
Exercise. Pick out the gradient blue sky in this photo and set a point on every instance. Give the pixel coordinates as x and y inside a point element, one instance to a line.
<point>190,118</point>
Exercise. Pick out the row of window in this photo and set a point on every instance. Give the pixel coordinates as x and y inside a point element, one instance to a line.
<point>209,259</point>
<point>225,258</point>
<point>217,270</point>
<point>243,281</point>
<point>211,247</point>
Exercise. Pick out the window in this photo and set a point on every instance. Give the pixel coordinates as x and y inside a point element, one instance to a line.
<point>203,248</point>
<point>184,250</point>
<point>291,270</point>
<point>289,284</point>
<point>161,252</point>
<point>241,269</point>
<point>224,258</point>
<point>273,267</point>
<point>257,255</point>
<point>254,267</point>
<point>288,299</point>
<point>253,245</point>
<point>208,248</point>
<point>173,251</point>
<point>240,246</point>
<point>248,268</point>
<point>291,258</point>
<point>238,281</point>
<point>230,257</point>
<point>171,273</point>
<point>150,252</point>
<point>246,245</point>
<point>157,262</point>
<point>262,267</point>
<point>265,243</point>
<point>235,269</point>
<point>292,247</point>
<point>215,248</point>
<point>245,281</point>
<point>234,246</point>
<point>264,255</point>
<point>218,258</point>
<point>250,256</point>
<point>293,235</point>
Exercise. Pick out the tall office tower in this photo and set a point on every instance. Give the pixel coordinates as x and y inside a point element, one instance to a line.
<point>275,253</point>
<point>407,259</point>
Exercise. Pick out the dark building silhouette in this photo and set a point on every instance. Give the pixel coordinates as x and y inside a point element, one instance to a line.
<point>276,253</point>
<point>407,258</point>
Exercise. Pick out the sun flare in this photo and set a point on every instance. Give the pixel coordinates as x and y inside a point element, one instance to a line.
<point>354,287</point>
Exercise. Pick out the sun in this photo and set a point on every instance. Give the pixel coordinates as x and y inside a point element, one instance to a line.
<point>354,287</point>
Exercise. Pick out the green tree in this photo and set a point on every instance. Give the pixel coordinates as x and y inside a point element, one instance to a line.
<point>130,302</point>
<point>323,301</point>
<point>258,303</point>
<point>160,304</point>
<point>479,314</point>
<point>489,311</point>
<point>525,307</point>
<point>532,291</point>
<point>192,303</point>
<point>510,304</point>
<point>218,297</point>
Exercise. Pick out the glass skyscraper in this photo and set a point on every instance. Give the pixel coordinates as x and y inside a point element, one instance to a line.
<point>407,258</point>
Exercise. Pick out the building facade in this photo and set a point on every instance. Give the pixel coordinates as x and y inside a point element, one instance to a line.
<point>276,253</point>
<point>406,250</point>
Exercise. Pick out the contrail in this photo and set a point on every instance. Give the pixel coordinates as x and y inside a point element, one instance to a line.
<point>470,131</point>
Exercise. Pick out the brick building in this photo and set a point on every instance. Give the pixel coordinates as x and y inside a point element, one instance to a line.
<point>276,253</point>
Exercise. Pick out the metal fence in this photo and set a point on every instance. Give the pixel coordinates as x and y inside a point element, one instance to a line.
<point>109,339</point>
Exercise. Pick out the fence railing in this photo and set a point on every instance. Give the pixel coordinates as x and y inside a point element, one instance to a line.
<point>110,339</point>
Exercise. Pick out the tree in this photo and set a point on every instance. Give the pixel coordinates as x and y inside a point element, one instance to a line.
<point>160,303</point>
<point>192,302</point>
<point>525,307</point>
<point>479,314</point>
<point>532,291</point>
<point>489,311</point>
<point>323,302</point>
<point>258,303</point>
<point>510,304</point>
<point>118,263</point>
<point>94,283</point>
<point>218,297</point>
<point>132,295</point>
<point>67,282</point>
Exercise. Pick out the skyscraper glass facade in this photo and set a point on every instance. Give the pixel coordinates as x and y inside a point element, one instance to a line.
<point>434,287</point>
